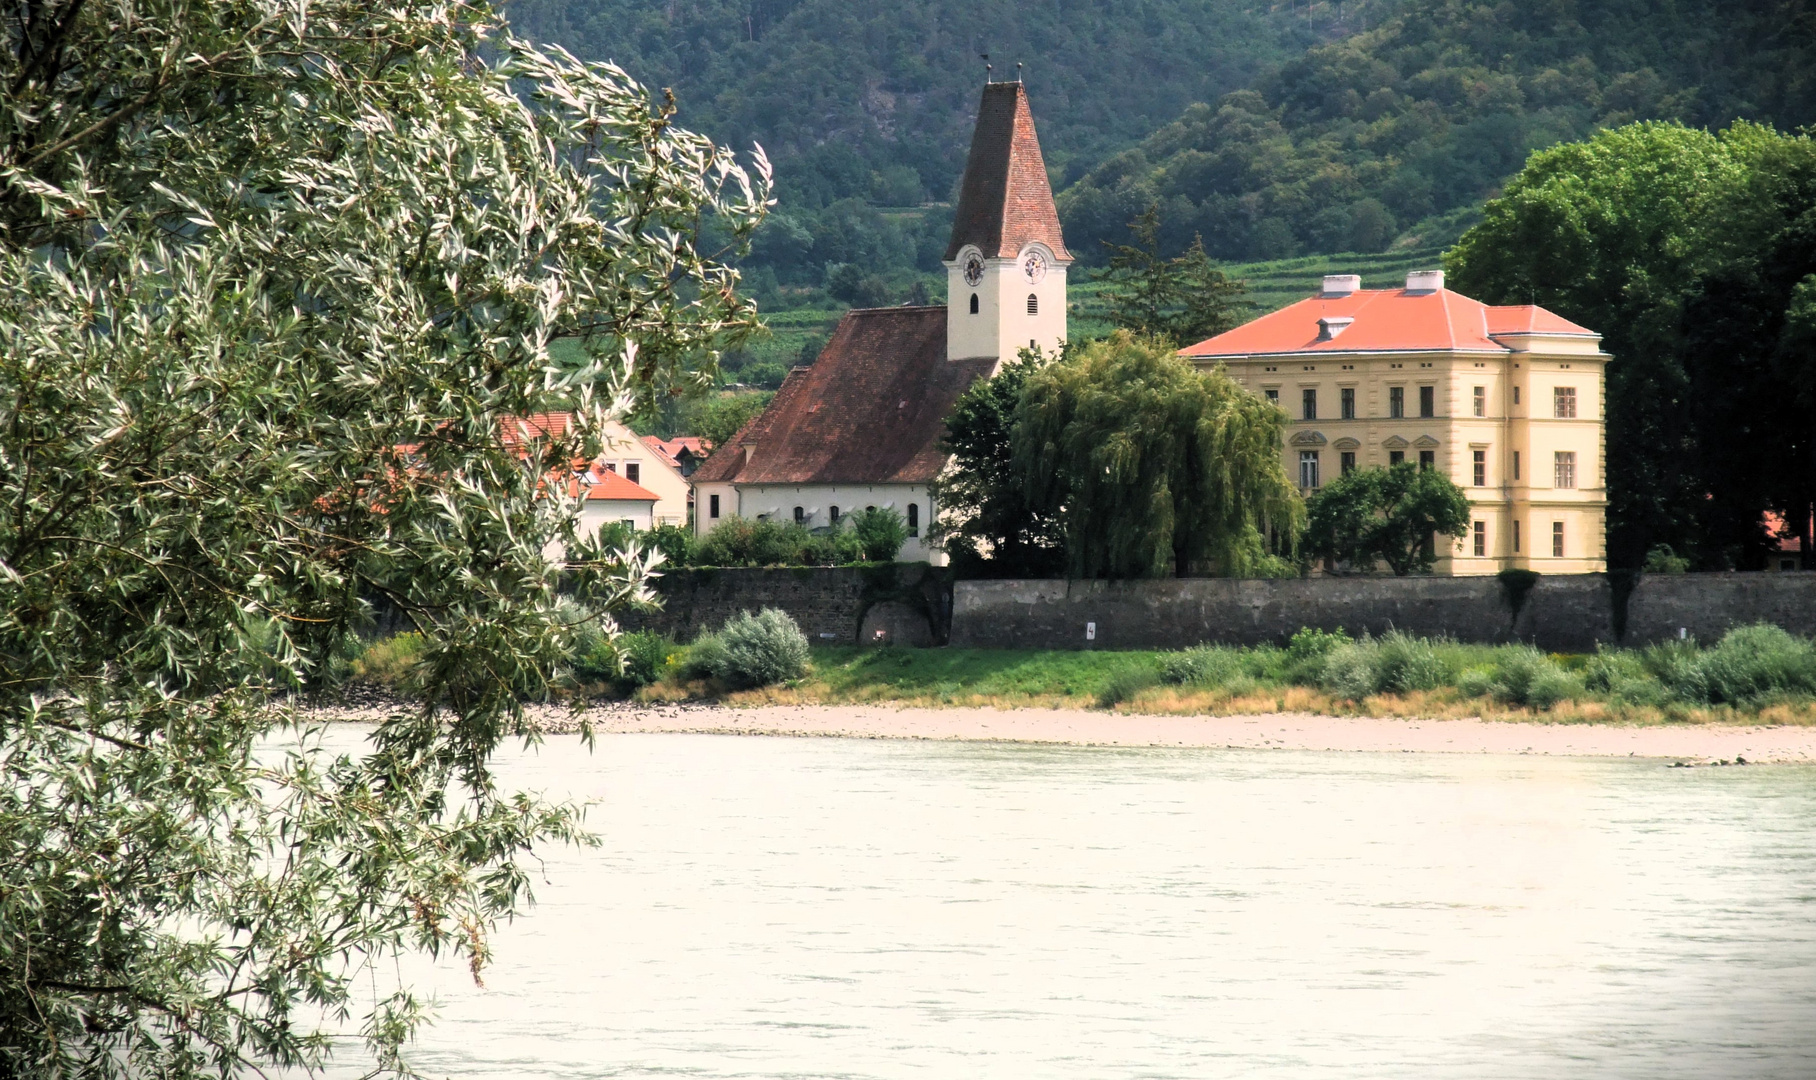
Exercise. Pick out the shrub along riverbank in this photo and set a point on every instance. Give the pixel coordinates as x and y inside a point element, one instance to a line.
<point>1753,674</point>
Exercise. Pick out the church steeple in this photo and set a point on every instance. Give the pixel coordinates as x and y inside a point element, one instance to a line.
<point>1006,261</point>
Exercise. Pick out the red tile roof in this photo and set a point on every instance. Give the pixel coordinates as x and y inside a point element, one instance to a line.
<point>670,449</point>
<point>1005,202</point>
<point>1386,320</point>
<point>599,483</point>
<point>871,409</point>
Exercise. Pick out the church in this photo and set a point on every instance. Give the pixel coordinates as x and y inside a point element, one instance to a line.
<point>861,426</point>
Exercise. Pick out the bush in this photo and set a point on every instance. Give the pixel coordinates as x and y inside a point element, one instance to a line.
<point>1307,651</point>
<point>1754,663</point>
<point>1551,686</point>
<point>1477,682</point>
<point>880,533</point>
<point>675,542</point>
<point>644,659</point>
<point>1662,560</point>
<point>1521,666</point>
<point>1124,684</point>
<point>1393,663</point>
<point>1205,665</point>
<point>751,651</point>
<point>1349,670</point>
<point>388,661</point>
<point>740,541</point>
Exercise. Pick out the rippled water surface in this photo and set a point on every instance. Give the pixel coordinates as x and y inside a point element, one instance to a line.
<point>769,908</point>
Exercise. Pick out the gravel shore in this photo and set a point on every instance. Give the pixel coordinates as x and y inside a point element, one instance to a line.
<point>1692,744</point>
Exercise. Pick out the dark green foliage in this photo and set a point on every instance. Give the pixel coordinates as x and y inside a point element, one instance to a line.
<point>1385,515</point>
<point>1402,130</point>
<point>737,541</point>
<point>880,533</point>
<point>1154,467</point>
<point>986,523</point>
<point>644,659</point>
<point>1394,663</point>
<point>1183,299</point>
<point>1126,683</point>
<point>675,542</point>
<point>1516,584</point>
<point>1663,560</point>
<point>1750,665</point>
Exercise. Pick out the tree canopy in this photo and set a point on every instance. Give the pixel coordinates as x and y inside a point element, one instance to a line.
<point>986,521</point>
<point>1371,516</point>
<point>280,279</point>
<point>1685,250</point>
<point>1183,299</point>
<point>1153,467</point>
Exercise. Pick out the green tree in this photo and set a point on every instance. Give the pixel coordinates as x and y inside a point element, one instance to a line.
<point>1618,233</point>
<point>719,418</point>
<point>278,278</point>
<point>880,532</point>
<point>1389,515</point>
<point>1183,299</point>
<point>1154,467</point>
<point>985,516</point>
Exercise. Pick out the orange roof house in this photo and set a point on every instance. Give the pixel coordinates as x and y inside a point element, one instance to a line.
<point>1505,400</point>
<point>862,425</point>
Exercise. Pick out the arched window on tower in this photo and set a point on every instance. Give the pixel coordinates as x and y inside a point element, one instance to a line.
<point>974,303</point>
<point>1033,304</point>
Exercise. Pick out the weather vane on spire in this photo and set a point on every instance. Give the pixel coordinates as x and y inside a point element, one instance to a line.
<point>987,67</point>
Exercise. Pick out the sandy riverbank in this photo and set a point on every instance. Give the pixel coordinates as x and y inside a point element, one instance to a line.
<point>1279,731</point>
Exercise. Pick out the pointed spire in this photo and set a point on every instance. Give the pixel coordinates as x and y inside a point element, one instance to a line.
<point>1005,201</point>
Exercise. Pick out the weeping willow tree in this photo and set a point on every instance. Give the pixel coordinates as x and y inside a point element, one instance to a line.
<point>1154,467</point>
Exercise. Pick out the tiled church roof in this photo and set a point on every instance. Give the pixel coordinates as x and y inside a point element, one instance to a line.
<point>1005,201</point>
<point>870,410</point>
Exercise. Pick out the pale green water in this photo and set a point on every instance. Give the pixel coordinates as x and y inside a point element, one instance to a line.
<point>790,908</point>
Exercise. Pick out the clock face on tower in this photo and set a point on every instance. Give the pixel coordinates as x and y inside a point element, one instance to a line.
<point>974,268</point>
<point>1034,267</point>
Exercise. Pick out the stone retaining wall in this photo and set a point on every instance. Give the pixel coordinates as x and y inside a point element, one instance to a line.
<point>906,603</point>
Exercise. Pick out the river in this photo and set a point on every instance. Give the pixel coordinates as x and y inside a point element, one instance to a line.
<point>846,908</point>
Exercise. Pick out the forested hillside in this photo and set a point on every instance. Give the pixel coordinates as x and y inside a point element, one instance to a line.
<point>866,109</point>
<point>1397,134</point>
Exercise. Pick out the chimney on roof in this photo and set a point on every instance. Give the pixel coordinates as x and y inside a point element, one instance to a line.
<point>1330,326</point>
<point>1340,285</point>
<point>1425,281</point>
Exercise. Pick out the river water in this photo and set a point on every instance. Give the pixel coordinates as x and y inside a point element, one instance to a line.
<point>795,908</point>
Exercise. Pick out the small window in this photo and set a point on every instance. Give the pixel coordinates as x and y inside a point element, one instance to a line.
<point>1481,401</point>
<point>974,303</point>
<point>1516,537</point>
<point>611,466</point>
<point>628,523</point>
<point>633,471</point>
<point>1308,400</point>
<point>1396,402</point>
<point>1557,539</point>
<point>1516,395</point>
<point>1481,538</point>
<point>1516,464</point>
<point>1346,401</point>
<point>1565,469</point>
<point>1396,457</point>
<point>800,516</point>
<point>1273,394</point>
<point>914,519</point>
<point>1481,468</point>
<point>1427,459</point>
<point>712,506</point>
<point>1563,402</point>
<point>1033,304</point>
<point>869,508</point>
<point>1348,461</point>
<point>1428,401</point>
<point>832,515</point>
<point>1308,469</point>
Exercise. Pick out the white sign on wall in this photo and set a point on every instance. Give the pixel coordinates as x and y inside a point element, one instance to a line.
<point>1090,631</point>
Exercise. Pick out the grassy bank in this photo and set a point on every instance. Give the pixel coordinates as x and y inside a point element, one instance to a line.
<point>1757,674</point>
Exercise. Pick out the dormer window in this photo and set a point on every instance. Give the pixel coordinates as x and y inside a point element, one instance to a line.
<point>1332,325</point>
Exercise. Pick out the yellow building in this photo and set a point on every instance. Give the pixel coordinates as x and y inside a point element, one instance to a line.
<point>1508,401</point>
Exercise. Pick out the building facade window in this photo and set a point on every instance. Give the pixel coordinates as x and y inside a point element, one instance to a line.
<point>1308,401</point>
<point>1481,468</point>
<point>1481,538</point>
<point>1308,469</point>
<point>974,303</point>
<point>800,516</point>
<point>633,471</point>
<point>1565,467</point>
<point>1347,399</point>
<point>914,519</point>
<point>1348,461</point>
<point>1516,464</point>
<point>832,515</point>
<point>1563,402</point>
<point>1516,536</point>
<point>1481,400</point>
<point>1396,457</point>
<point>712,506</point>
<point>1428,399</point>
<point>1516,395</point>
<point>1033,304</point>
<point>1272,394</point>
<point>1396,402</point>
<point>1427,458</point>
<point>1557,539</point>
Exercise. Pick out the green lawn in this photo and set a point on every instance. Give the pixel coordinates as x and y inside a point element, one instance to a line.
<point>853,672</point>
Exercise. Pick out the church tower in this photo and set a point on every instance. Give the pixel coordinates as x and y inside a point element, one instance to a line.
<point>1006,262</point>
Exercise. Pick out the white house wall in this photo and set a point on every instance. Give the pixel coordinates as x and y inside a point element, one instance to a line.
<point>778,501</point>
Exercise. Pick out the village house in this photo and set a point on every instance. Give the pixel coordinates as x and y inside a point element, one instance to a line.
<point>1507,401</point>
<point>861,426</point>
